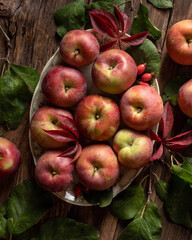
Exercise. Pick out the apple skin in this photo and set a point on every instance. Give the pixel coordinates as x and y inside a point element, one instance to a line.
<point>10,158</point>
<point>133,148</point>
<point>114,71</point>
<point>64,86</point>
<point>79,48</point>
<point>97,117</point>
<point>179,42</point>
<point>141,107</point>
<point>97,167</point>
<point>46,118</point>
<point>53,172</point>
<point>185,98</point>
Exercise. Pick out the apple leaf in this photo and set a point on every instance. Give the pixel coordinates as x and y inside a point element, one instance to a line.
<point>146,53</point>
<point>177,204</point>
<point>3,227</point>
<point>26,205</point>
<point>126,204</point>
<point>162,3</point>
<point>172,88</point>
<point>66,229</point>
<point>142,23</point>
<point>144,227</point>
<point>107,4</point>
<point>184,172</point>
<point>162,189</point>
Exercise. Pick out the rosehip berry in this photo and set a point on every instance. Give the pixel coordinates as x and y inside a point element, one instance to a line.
<point>143,83</point>
<point>141,69</point>
<point>146,77</point>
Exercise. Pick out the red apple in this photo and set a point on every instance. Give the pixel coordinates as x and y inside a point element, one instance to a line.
<point>54,172</point>
<point>185,98</point>
<point>97,167</point>
<point>64,86</point>
<point>179,42</point>
<point>46,118</point>
<point>133,148</point>
<point>10,158</point>
<point>114,71</point>
<point>97,117</point>
<point>79,48</point>
<point>141,107</point>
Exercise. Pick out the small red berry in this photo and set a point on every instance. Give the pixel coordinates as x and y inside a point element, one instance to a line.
<point>77,190</point>
<point>146,77</point>
<point>141,69</point>
<point>144,83</point>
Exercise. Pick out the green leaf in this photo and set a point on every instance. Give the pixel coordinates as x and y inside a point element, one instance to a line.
<point>26,205</point>
<point>126,204</point>
<point>146,53</point>
<point>172,88</point>
<point>184,172</point>
<point>108,5</point>
<point>3,227</point>
<point>162,189</point>
<point>178,202</point>
<point>144,227</point>
<point>162,3</point>
<point>142,23</point>
<point>66,229</point>
<point>103,198</point>
<point>69,17</point>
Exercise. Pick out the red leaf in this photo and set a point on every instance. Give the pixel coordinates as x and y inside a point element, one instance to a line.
<point>78,152</point>
<point>167,120</point>
<point>108,45</point>
<point>157,155</point>
<point>61,135</point>
<point>68,124</point>
<point>124,20</point>
<point>104,23</point>
<point>180,141</point>
<point>69,151</point>
<point>135,39</point>
<point>154,136</point>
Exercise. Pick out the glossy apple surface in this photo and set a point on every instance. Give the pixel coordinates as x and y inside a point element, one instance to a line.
<point>114,71</point>
<point>97,117</point>
<point>179,42</point>
<point>97,167</point>
<point>64,86</point>
<point>185,98</point>
<point>133,148</point>
<point>79,48</point>
<point>141,107</point>
<point>53,172</point>
<point>46,118</point>
<point>10,158</point>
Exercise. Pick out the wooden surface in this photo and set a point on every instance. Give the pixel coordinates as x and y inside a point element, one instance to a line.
<point>32,32</point>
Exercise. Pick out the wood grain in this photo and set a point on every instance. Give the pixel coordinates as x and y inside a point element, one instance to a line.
<point>31,29</point>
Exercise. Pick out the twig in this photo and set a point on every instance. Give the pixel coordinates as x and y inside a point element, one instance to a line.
<point>5,35</point>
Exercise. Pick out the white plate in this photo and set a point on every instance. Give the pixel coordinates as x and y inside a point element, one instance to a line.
<point>38,100</point>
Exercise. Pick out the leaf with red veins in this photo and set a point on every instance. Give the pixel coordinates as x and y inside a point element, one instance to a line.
<point>135,39</point>
<point>61,135</point>
<point>179,142</point>
<point>68,124</point>
<point>154,136</point>
<point>108,45</point>
<point>157,155</point>
<point>104,23</point>
<point>124,20</point>
<point>167,120</point>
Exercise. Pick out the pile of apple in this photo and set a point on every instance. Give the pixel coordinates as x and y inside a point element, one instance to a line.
<point>112,133</point>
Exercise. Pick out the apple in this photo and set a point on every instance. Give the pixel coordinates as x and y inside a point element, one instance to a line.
<point>185,98</point>
<point>97,117</point>
<point>46,118</point>
<point>141,107</point>
<point>179,42</point>
<point>114,71</point>
<point>54,172</point>
<point>133,148</point>
<point>64,86</point>
<point>79,48</point>
<point>97,167</point>
<point>10,158</point>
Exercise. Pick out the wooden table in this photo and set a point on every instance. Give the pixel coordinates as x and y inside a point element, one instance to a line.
<point>32,32</point>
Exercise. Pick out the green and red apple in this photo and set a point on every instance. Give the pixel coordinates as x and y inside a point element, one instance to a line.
<point>134,148</point>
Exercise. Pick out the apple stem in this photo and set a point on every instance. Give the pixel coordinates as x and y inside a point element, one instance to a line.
<point>77,52</point>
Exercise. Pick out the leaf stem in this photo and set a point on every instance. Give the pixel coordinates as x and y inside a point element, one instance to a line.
<point>10,237</point>
<point>5,35</point>
<point>177,162</point>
